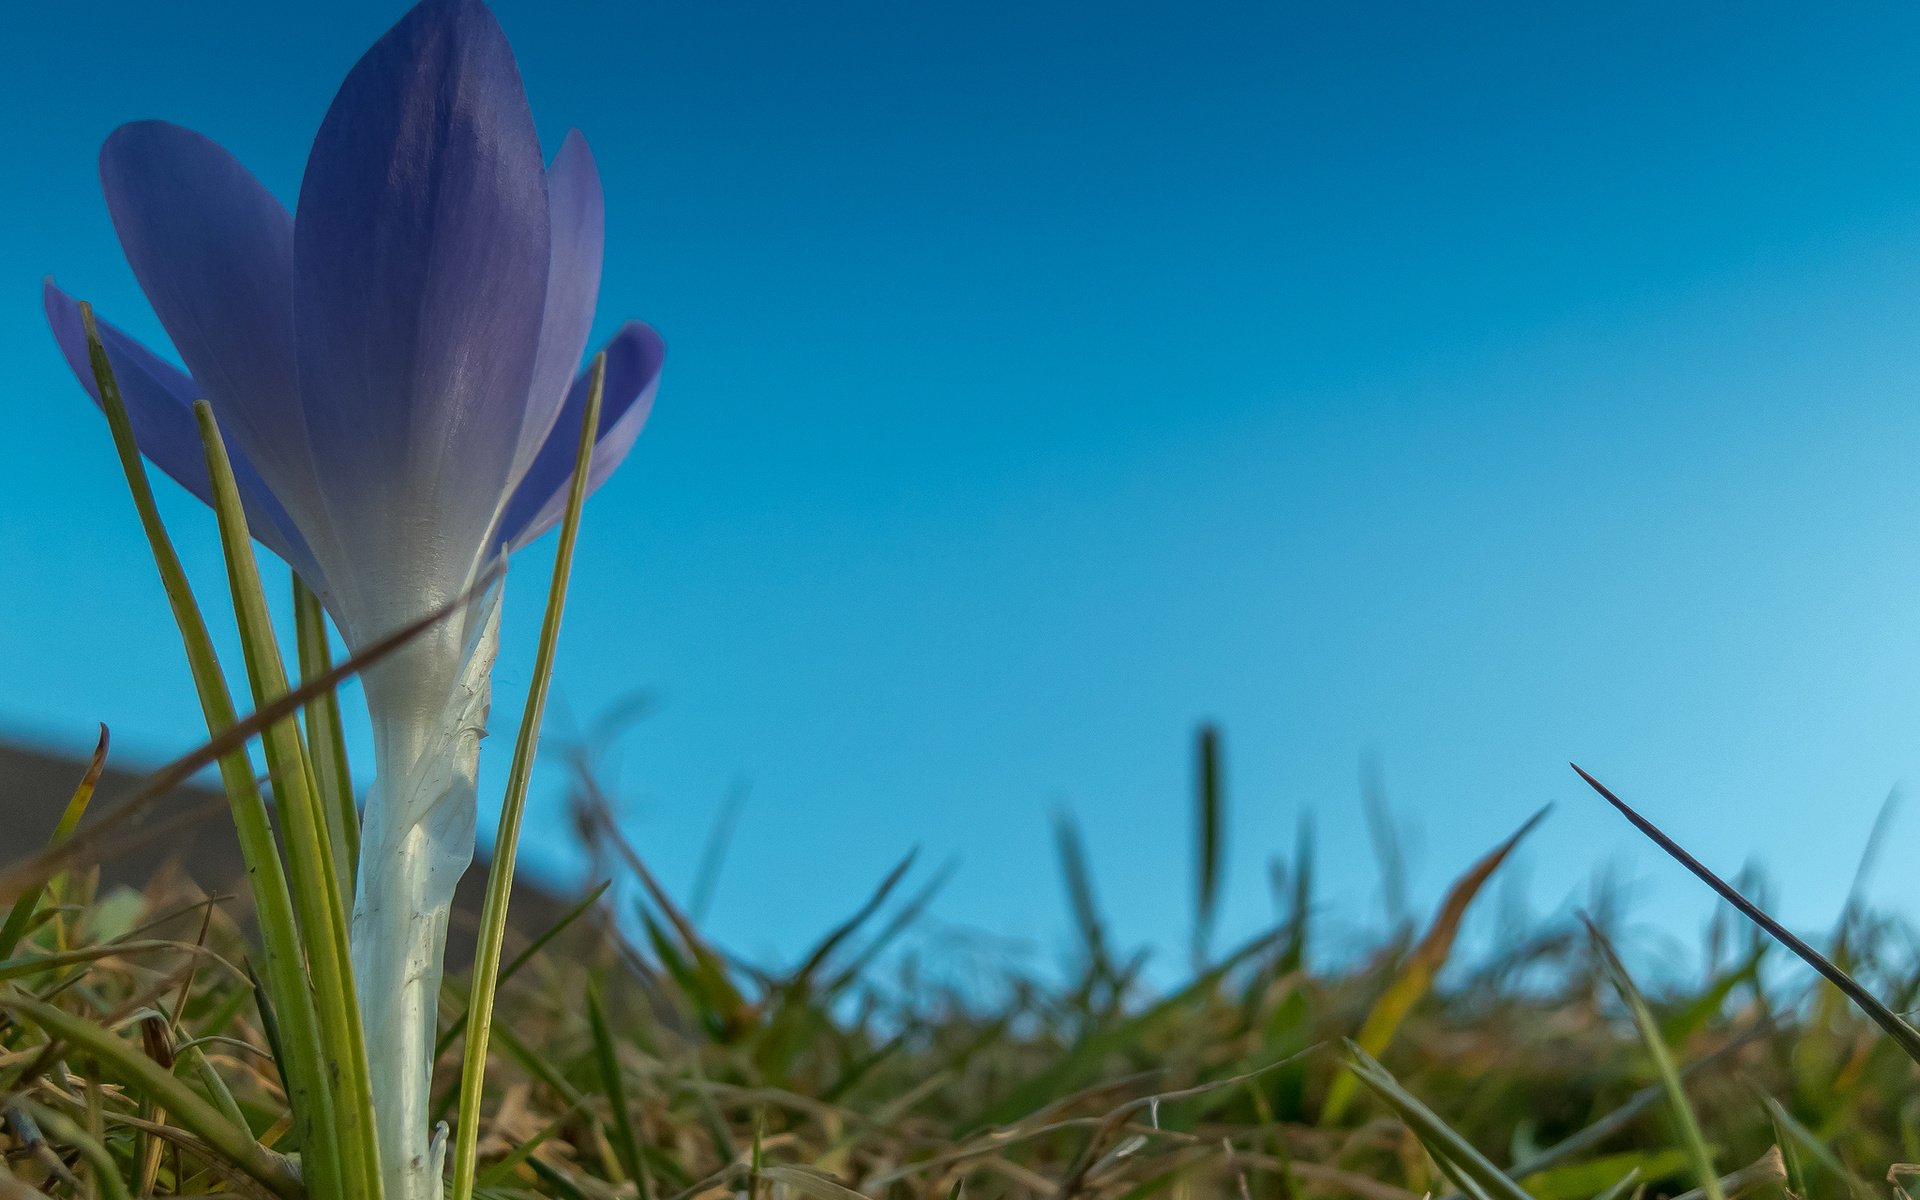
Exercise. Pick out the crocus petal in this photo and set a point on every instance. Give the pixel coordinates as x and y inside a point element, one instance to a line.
<point>159,401</point>
<point>421,255</point>
<point>213,250</point>
<point>634,356</point>
<point>577,210</point>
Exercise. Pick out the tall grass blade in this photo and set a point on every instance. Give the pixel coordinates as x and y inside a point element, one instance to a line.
<point>21,916</point>
<point>626,1141</point>
<point>1648,1025</point>
<point>283,956</point>
<point>493,912</point>
<point>326,741</point>
<point>1209,839</point>
<point>583,906</point>
<point>315,874</point>
<point>1416,974</point>
<point>1438,1136</point>
<point>1896,1027</point>
<point>1080,895</point>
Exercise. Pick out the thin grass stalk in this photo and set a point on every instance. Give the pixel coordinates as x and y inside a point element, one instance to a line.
<point>493,912</point>
<point>21,916</point>
<point>326,743</point>
<point>309,1089</point>
<point>315,874</point>
<point>1692,1139</point>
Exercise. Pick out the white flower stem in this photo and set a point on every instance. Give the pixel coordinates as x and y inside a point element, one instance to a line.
<point>429,707</point>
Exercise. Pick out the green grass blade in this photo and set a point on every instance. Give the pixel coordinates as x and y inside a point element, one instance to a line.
<point>1209,839</point>
<point>147,1078</point>
<point>1416,975</point>
<point>21,915</point>
<point>533,949</point>
<point>493,913</point>
<point>1622,1189</point>
<point>1694,1141</point>
<point>106,1172</point>
<point>307,1081</point>
<point>626,1141</point>
<point>1896,1026</point>
<point>1080,895</point>
<point>325,740</point>
<point>314,874</point>
<point>1431,1130</point>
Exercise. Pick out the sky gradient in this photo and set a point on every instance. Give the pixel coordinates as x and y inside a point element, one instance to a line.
<point>1472,389</point>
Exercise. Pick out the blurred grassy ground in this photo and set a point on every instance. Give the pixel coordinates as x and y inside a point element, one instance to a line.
<point>634,1058</point>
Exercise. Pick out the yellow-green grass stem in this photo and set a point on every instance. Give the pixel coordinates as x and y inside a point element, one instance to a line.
<point>325,741</point>
<point>282,960</point>
<point>493,913</point>
<point>20,918</point>
<point>315,875</point>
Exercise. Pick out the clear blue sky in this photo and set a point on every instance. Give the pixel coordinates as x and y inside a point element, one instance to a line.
<point>1482,387</point>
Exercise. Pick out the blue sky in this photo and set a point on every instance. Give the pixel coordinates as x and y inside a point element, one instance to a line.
<point>1475,388</point>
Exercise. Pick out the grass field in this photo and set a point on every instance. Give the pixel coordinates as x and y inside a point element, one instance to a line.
<point>633,1057</point>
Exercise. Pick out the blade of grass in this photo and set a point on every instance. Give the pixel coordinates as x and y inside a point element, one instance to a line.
<point>315,875</point>
<point>1416,974</point>
<point>1694,1141</point>
<point>325,739</point>
<point>144,1076</point>
<point>115,834</point>
<point>520,960</point>
<point>105,1172</point>
<point>493,912</point>
<point>1080,895</point>
<point>21,915</point>
<point>714,853</point>
<point>626,1141</point>
<point>1433,1131</point>
<point>1208,839</point>
<point>309,1087</point>
<point>1896,1027</point>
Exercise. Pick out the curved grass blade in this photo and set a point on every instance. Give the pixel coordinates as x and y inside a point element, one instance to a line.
<point>1435,1133</point>
<point>106,1172</point>
<point>308,1083</point>
<point>1896,1027</point>
<point>1416,975</point>
<point>147,1078</point>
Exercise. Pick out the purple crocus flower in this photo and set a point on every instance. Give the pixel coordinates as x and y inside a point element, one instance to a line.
<point>394,364</point>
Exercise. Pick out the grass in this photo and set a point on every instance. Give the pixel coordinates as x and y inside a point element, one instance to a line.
<point>631,1056</point>
<point>178,1044</point>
